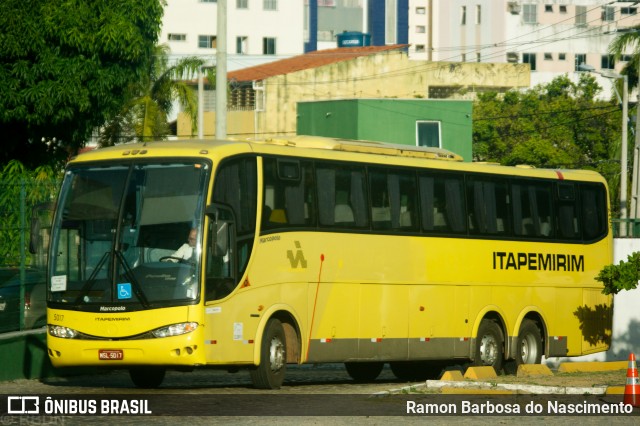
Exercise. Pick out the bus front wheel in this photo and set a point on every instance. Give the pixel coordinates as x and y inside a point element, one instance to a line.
<point>269,374</point>
<point>489,346</point>
<point>364,371</point>
<point>529,344</point>
<point>147,377</point>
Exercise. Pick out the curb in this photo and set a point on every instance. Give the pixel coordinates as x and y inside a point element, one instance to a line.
<point>452,387</point>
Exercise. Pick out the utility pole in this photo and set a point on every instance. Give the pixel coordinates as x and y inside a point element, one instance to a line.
<point>221,71</point>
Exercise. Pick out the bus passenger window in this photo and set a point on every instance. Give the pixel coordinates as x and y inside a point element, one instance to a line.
<point>288,198</point>
<point>594,213</point>
<point>393,199</point>
<point>341,196</point>
<point>487,202</point>
<point>531,208</point>
<point>567,217</point>
<point>442,203</point>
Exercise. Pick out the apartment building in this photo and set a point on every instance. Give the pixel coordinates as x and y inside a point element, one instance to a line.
<point>258,31</point>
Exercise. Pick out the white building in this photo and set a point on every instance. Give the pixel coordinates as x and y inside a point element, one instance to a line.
<point>258,31</point>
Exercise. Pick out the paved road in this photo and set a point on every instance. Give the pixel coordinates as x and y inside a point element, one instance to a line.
<point>305,389</point>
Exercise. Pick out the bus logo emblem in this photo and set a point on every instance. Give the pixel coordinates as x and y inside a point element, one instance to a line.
<point>298,259</point>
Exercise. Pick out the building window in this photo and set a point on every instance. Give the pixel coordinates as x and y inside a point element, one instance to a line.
<point>421,11</point>
<point>530,13</point>
<point>563,8</point>
<point>421,29</point>
<point>548,56</point>
<point>478,57</point>
<point>207,41</point>
<point>562,56</point>
<point>607,62</point>
<point>548,8</point>
<point>270,4</point>
<point>581,16</point>
<point>581,58</point>
<point>268,46</point>
<point>176,37</point>
<point>242,4</point>
<point>628,10</point>
<point>478,14</point>
<point>428,133</point>
<point>609,13</point>
<point>241,44</point>
<point>529,58</point>
<point>463,15</point>
<point>626,58</point>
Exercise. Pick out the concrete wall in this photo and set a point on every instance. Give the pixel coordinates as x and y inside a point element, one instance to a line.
<point>385,75</point>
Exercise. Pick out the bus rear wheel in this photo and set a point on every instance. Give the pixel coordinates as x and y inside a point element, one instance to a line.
<point>529,344</point>
<point>364,371</point>
<point>269,374</point>
<point>489,346</point>
<point>147,377</point>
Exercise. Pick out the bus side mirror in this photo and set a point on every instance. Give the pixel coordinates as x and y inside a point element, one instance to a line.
<point>221,221</point>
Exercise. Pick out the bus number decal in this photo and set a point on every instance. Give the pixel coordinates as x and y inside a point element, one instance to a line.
<point>298,259</point>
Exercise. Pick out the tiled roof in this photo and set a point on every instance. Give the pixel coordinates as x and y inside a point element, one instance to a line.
<point>308,61</point>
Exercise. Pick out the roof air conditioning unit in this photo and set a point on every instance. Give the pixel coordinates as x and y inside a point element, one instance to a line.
<point>513,7</point>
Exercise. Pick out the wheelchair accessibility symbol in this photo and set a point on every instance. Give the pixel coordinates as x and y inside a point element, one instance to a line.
<point>124,291</point>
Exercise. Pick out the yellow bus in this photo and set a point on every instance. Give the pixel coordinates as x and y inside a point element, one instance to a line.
<point>258,254</point>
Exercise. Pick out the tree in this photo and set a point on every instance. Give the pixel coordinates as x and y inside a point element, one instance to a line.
<point>66,67</point>
<point>621,44</point>
<point>144,117</point>
<point>555,125</point>
<point>623,276</point>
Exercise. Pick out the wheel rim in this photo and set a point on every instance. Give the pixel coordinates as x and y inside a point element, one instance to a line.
<point>488,350</point>
<point>276,354</point>
<point>528,350</point>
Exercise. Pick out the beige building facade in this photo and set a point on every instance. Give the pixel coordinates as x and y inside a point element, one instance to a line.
<point>267,95</point>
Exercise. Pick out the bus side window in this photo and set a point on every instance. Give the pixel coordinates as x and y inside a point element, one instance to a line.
<point>567,217</point>
<point>342,200</point>
<point>594,219</point>
<point>487,202</point>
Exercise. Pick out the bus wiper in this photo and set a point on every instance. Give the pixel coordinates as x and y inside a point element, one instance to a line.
<point>92,279</point>
<point>137,289</point>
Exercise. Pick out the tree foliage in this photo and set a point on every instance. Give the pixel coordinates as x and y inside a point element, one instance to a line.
<point>623,276</point>
<point>555,125</point>
<point>66,67</point>
<point>144,116</point>
<point>20,190</point>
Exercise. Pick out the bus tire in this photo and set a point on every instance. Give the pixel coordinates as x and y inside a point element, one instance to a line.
<point>269,374</point>
<point>529,344</point>
<point>489,346</point>
<point>364,371</point>
<point>147,377</point>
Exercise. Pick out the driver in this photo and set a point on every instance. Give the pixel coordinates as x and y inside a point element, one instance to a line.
<point>188,249</point>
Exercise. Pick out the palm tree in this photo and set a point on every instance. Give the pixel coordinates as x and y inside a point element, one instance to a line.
<point>621,44</point>
<point>144,116</point>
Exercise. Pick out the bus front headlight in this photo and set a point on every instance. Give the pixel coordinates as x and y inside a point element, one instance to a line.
<point>175,329</point>
<point>62,332</point>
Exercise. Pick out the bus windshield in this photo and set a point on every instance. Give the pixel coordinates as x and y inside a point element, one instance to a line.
<point>128,235</point>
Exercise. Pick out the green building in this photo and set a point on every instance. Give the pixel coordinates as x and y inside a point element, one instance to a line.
<point>425,122</point>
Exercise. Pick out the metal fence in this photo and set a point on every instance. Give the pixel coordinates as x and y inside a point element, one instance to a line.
<point>23,255</point>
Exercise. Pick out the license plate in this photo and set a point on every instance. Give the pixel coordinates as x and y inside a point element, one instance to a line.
<point>110,354</point>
